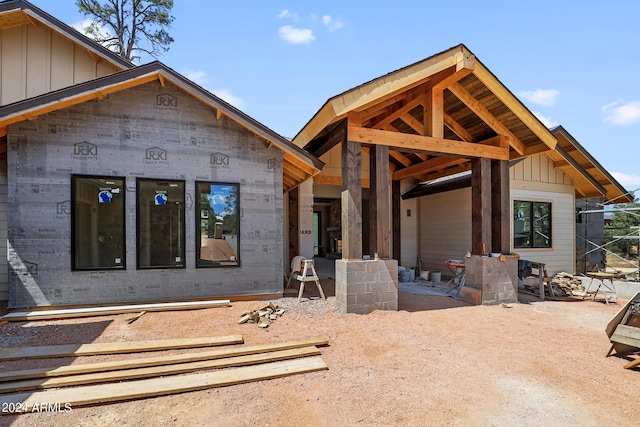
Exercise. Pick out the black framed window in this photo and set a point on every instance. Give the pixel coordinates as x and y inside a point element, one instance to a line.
<point>218,224</point>
<point>97,222</point>
<point>160,223</point>
<point>531,224</point>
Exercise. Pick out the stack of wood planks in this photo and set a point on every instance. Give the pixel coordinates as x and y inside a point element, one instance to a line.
<point>151,376</point>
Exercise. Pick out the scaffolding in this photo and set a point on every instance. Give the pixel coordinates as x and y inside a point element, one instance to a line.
<point>603,247</point>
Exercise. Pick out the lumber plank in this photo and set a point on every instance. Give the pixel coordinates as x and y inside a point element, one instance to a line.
<point>108,310</point>
<point>632,364</point>
<point>156,371</point>
<point>139,389</point>
<point>71,350</point>
<point>157,361</point>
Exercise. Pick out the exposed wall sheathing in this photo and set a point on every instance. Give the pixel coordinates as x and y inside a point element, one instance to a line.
<point>119,130</point>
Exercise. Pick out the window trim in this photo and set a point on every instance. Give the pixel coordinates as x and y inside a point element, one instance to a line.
<point>72,218</point>
<point>183,231</point>
<point>198,236</point>
<point>551,221</point>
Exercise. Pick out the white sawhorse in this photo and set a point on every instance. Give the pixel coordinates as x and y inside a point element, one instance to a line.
<point>304,276</point>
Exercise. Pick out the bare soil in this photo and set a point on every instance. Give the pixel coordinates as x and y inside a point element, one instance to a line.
<point>437,361</point>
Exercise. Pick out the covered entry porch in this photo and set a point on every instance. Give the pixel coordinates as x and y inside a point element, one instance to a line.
<point>435,118</point>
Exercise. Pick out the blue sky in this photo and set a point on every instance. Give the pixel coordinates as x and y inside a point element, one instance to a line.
<point>576,64</point>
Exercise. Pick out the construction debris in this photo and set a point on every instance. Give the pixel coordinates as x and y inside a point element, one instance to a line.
<point>263,316</point>
<point>136,317</point>
<point>566,284</point>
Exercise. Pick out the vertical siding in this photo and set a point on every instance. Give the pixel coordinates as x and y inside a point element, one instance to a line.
<point>445,218</point>
<point>36,60</point>
<point>561,256</point>
<point>445,222</point>
<point>13,73</point>
<point>408,227</point>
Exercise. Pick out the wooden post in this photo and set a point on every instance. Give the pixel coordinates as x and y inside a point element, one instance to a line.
<point>397,237</point>
<point>481,206</point>
<point>500,207</point>
<point>379,208</point>
<point>351,200</point>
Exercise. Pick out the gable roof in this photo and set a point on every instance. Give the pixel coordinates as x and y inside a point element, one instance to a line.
<point>298,165</point>
<point>590,177</point>
<point>434,114</point>
<point>19,12</point>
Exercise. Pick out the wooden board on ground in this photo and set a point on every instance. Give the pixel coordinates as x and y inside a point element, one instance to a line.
<point>114,392</point>
<point>157,361</point>
<point>108,310</point>
<point>156,371</point>
<point>71,350</point>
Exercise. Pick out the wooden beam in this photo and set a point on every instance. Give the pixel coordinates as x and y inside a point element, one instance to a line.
<point>321,145</point>
<point>379,197</point>
<point>481,206</point>
<point>413,123</point>
<point>157,371</point>
<point>69,350</point>
<point>115,392</point>
<point>410,105</point>
<point>427,166</point>
<point>427,144</point>
<point>500,207</point>
<point>484,114</point>
<point>400,157</point>
<point>437,113</point>
<point>336,180</point>
<point>19,316</point>
<point>162,80</point>
<point>518,109</point>
<point>458,129</point>
<point>463,167</point>
<point>351,199</point>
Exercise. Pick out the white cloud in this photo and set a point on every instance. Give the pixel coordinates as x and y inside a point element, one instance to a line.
<point>289,15</point>
<point>226,95</point>
<point>296,35</point>
<point>331,23</point>
<point>547,121</point>
<point>545,97</point>
<point>629,181</point>
<point>197,76</point>
<point>621,112</point>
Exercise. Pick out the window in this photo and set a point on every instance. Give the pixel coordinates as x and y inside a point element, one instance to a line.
<point>531,224</point>
<point>97,223</point>
<point>218,224</point>
<point>160,223</point>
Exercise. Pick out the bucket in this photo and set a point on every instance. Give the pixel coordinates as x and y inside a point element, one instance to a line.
<point>436,276</point>
<point>425,275</point>
<point>412,274</point>
<point>403,276</point>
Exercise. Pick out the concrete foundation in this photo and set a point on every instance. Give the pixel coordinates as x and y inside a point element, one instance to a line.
<point>491,280</point>
<point>365,286</point>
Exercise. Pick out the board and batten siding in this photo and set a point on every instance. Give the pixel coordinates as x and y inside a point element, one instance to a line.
<point>409,215</point>
<point>535,179</point>
<point>445,218</point>
<point>37,60</point>
<point>445,228</point>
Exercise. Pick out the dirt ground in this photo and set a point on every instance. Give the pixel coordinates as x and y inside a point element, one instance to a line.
<point>436,361</point>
